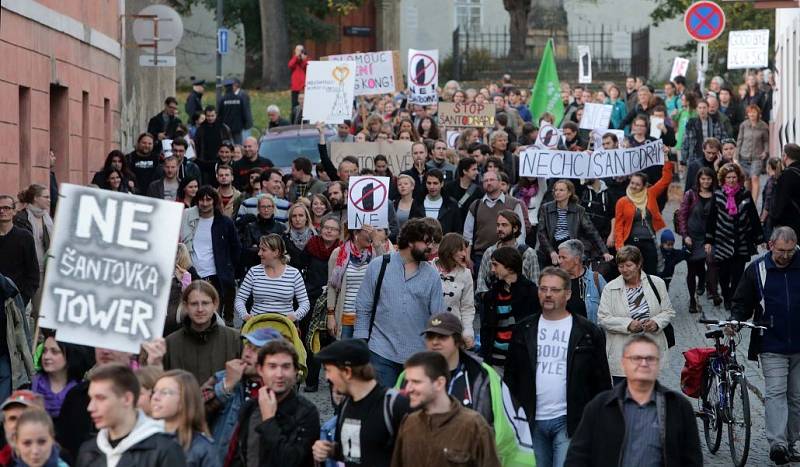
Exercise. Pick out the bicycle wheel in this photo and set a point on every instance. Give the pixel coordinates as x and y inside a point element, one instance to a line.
<point>739,422</point>
<point>712,422</point>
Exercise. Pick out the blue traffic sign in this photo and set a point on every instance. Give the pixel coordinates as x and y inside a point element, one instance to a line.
<point>222,41</point>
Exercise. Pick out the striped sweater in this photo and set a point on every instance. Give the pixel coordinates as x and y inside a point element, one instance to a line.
<point>733,235</point>
<point>272,295</point>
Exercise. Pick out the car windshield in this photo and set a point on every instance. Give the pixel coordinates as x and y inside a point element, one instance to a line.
<point>284,149</point>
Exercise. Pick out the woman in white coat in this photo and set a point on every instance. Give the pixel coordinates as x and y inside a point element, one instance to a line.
<point>457,283</point>
<point>633,303</point>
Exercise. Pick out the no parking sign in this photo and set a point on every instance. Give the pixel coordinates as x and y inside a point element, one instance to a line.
<point>367,202</point>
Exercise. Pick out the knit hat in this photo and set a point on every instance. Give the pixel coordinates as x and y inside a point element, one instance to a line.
<point>667,236</point>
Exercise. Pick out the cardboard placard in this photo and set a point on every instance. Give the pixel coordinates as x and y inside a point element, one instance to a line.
<point>112,263</point>
<point>453,115</point>
<point>398,154</point>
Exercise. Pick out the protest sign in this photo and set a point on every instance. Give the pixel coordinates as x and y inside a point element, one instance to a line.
<point>452,138</point>
<point>464,115</point>
<point>679,68</point>
<point>598,164</point>
<point>423,76</point>
<point>112,260</point>
<point>398,154</point>
<point>548,136</point>
<point>655,131</point>
<point>748,49</point>
<point>329,92</point>
<point>584,64</point>
<point>596,116</point>
<point>376,72</point>
<point>368,202</point>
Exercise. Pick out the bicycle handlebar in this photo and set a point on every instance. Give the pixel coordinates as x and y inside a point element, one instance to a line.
<point>734,323</point>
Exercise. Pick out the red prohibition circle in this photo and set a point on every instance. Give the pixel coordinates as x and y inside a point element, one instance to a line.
<point>379,186</point>
<point>422,57</point>
<point>700,18</point>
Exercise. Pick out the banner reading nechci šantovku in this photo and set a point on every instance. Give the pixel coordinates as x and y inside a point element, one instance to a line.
<point>598,164</point>
<point>112,259</point>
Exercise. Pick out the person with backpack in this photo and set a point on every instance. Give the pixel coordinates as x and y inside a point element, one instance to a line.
<point>369,415</point>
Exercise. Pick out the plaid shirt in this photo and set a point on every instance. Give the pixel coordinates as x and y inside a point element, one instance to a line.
<point>692,148</point>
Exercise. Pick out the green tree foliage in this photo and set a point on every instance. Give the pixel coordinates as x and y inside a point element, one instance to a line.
<point>738,16</point>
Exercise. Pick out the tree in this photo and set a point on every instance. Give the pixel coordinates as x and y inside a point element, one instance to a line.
<point>738,16</point>
<point>300,20</point>
<point>518,29</point>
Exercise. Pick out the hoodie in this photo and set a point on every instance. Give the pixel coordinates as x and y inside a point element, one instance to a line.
<point>145,427</point>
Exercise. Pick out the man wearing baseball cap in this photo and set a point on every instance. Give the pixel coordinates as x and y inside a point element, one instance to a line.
<point>18,402</point>
<point>370,414</point>
<point>478,386</point>
<point>228,390</point>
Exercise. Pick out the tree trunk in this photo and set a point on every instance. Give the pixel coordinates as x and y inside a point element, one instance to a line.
<point>274,45</point>
<point>518,9</point>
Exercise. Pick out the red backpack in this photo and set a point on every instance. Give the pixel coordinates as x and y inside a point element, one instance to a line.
<point>692,372</point>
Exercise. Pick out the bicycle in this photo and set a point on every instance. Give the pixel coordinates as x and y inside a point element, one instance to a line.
<point>725,383</point>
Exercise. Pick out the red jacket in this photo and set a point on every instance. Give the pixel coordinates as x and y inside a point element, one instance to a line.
<point>298,67</point>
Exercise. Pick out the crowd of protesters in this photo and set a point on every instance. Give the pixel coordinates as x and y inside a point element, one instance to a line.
<point>498,318</point>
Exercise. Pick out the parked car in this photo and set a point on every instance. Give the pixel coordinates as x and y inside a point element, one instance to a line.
<point>284,144</point>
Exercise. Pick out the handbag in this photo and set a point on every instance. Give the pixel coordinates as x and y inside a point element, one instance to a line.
<point>669,331</point>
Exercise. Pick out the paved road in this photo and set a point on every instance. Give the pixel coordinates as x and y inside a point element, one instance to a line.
<point>688,334</point>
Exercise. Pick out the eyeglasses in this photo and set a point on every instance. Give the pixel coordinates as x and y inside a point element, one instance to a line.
<point>6,208</point>
<point>551,289</point>
<point>165,392</point>
<point>330,229</point>
<point>776,252</point>
<point>642,359</point>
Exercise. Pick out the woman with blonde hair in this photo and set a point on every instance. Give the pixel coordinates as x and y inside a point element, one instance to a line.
<point>183,275</point>
<point>273,284</point>
<point>298,234</point>
<point>147,376</point>
<point>457,282</point>
<point>405,206</point>
<point>35,218</point>
<point>178,401</point>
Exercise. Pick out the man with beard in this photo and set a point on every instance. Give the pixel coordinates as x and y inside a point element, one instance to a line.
<point>336,193</point>
<point>227,193</point>
<point>508,230</point>
<point>207,141</point>
<point>144,162</point>
<point>442,432</point>
<point>399,293</point>
<point>230,389</point>
<point>280,426</point>
<point>249,160</point>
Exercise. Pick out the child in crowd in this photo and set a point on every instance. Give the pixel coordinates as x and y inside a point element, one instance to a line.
<point>672,257</point>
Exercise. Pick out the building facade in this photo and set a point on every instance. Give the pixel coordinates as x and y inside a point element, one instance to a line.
<point>59,88</point>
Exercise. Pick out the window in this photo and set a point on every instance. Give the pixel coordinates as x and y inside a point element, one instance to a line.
<point>468,15</point>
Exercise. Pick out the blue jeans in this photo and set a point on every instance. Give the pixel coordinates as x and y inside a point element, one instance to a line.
<point>550,442</point>
<point>386,371</point>
<point>347,331</point>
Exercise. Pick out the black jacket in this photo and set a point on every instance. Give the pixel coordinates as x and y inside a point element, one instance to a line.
<point>158,450</point>
<point>587,367</point>
<point>785,209</point>
<point>578,223</point>
<point>73,425</point>
<point>524,303</point>
<point>234,111</point>
<point>599,440</point>
<point>157,125</point>
<point>207,141</point>
<point>20,264</point>
<point>417,210</point>
<point>449,215</point>
<point>194,103</point>
<point>251,228</point>
<point>285,439</point>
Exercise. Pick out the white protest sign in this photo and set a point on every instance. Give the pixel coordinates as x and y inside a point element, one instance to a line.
<point>679,68</point>
<point>368,202</point>
<point>376,72</point>
<point>598,164</point>
<point>423,76</point>
<point>655,131</point>
<point>112,262</point>
<point>748,49</point>
<point>584,64</point>
<point>452,138</point>
<point>596,116</point>
<point>548,137</point>
<point>329,92</point>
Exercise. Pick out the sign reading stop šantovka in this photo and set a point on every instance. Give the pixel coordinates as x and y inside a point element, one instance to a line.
<point>704,21</point>
<point>466,115</point>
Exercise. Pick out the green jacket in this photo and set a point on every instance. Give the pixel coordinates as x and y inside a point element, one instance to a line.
<point>512,435</point>
<point>18,348</point>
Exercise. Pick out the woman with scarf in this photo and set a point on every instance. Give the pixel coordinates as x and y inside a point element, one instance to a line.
<point>298,234</point>
<point>637,217</point>
<point>346,268</point>
<point>35,218</point>
<point>732,230</point>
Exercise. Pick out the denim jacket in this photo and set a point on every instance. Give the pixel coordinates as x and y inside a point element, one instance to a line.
<point>225,424</point>
<point>593,292</point>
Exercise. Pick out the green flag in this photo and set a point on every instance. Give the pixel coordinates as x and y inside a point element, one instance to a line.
<point>546,93</point>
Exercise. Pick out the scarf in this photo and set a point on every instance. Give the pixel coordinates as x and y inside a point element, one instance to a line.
<point>730,198</point>
<point>34,216</point>
<point>301,237</point>
<point>348,254</point>
<point>526,194</point>
<point>638,199</point>
<point>317,249</point>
